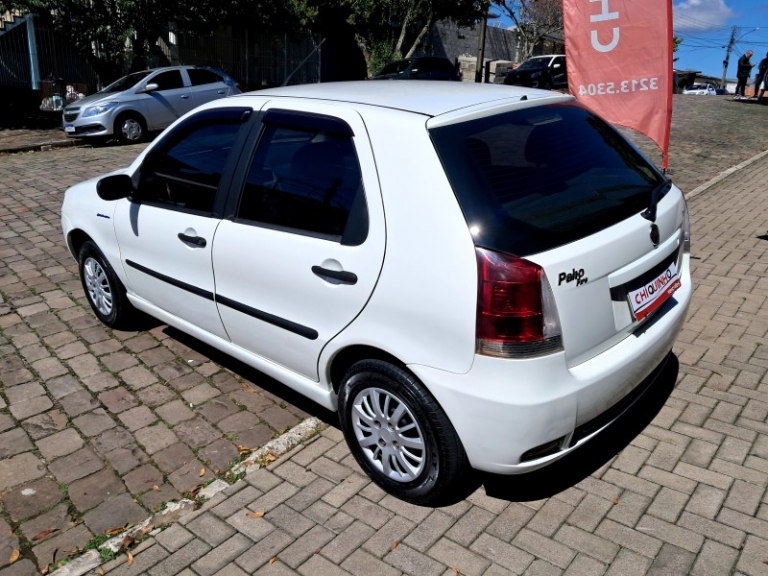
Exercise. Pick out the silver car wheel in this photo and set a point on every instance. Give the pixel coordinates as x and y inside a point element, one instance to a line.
<point>389,434</point>
<point>131,129</point>
<point>97,284</point>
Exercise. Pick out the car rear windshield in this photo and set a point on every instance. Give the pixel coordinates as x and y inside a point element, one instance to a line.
<point>534,64</point>
<point>538,178</point>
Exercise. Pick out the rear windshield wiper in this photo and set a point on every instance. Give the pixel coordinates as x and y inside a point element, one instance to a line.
<point>656,194</point>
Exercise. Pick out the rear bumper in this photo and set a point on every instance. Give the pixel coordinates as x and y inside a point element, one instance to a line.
<point>515,416</point>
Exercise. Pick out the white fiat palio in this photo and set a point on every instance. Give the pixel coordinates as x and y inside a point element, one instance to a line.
<point>474,276</point>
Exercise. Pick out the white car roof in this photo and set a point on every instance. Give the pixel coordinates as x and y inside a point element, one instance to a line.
<point>431,98</point>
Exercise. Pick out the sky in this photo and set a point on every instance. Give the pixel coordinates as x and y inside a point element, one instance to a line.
<point>706,27</point>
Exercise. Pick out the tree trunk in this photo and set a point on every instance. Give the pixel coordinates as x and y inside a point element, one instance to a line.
<point>419,38</point>
<point>404,28</point>
<point>364,48</point>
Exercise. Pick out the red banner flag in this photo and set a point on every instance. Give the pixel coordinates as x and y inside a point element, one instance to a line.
<point>619,58</point>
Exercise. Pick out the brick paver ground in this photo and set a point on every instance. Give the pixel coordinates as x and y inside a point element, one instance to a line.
<point>92,420</point>
<point>99,427</point>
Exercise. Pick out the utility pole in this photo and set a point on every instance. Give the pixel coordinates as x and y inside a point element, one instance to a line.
<point>481,43</point>
<point>728,55</point>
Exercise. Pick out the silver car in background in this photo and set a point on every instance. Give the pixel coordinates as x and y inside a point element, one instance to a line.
<point>146,101</point>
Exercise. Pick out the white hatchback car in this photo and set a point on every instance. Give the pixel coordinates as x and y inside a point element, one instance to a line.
<point>701,90</point>
<point>473,275</point>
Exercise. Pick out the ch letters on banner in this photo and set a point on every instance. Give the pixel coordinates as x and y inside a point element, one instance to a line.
<point>619,59</point>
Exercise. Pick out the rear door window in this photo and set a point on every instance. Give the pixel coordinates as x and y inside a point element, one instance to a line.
<point>307,180</point>
<point>199,76</point>
<point>538,178</point>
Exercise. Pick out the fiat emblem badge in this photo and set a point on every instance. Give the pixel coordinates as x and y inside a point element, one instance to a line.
<point>655,235</point>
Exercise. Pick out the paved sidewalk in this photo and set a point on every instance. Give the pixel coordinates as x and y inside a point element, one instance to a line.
<point>97,431</point>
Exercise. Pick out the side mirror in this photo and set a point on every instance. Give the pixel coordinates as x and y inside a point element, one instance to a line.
<point>115,187</point>
<point>556,66</point>
<point>151,87</point>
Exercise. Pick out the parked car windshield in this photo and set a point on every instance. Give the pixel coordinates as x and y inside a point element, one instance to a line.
<point>538,178</point>
<point>126,82</point>
<point>698,87</point>
<point>394,67</point>
<point>534,64</point>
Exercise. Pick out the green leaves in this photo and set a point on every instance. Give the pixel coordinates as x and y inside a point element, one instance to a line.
<point>110,33</point>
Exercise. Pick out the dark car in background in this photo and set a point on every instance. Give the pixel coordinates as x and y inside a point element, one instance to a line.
<point>545,72</point>
<point>421,68</point>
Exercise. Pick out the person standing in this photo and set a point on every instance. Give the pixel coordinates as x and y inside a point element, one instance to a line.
<point>742,73</point>
<point>762,69</point>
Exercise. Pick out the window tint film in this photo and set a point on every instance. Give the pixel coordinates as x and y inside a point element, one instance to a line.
<point>168,80</point>
<point>199,76</point>
<point>304,180</point>
<point>538,178</point>
<point>187,174</point>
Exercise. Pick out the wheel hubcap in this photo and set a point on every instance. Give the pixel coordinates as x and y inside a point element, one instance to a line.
<point>389,434</point>
<point>131,129</point>
<point>97,286</point>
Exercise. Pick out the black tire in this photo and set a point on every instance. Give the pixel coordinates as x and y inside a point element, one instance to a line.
<point>130,128</point>
<point>103,289</point>
<point>441,463</point>
<point>546,84</point>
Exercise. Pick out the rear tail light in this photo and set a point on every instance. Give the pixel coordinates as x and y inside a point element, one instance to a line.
<point>516,310</point>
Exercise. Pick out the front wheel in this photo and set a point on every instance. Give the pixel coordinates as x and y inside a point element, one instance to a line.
<point>399,434</point>
<point>130,128</point>
<point>103,288</point>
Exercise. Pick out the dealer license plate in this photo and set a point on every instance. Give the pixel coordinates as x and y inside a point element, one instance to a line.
<point>69,128</point>
<point>654,292</point>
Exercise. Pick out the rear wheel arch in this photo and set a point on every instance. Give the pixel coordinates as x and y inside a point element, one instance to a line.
<point>349,356</point>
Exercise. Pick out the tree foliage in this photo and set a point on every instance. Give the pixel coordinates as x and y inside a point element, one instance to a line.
<point>534,19</point>
<point>387,30</point>
<point>106,32</point>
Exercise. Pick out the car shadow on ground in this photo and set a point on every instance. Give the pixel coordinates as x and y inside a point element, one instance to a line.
<point>254,376</point>
<point>573,468</point>
<point>536,485</point>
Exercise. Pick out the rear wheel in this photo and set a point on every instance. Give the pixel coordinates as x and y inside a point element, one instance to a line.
<point>399,434</point>
<point>130,128</point>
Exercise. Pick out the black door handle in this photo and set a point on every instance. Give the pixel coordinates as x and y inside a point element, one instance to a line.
<point>196,240</point>
<point>341,276</point>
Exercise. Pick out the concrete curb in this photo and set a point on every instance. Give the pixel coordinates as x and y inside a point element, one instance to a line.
<point>80,565</point>
<point>175,510</point>
<point>41,147</point>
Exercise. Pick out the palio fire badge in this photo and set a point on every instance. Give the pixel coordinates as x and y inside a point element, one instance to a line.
<point>577,276</point>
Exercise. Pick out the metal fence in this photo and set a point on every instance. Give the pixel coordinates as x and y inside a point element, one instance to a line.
<point>36,61</point>
<point>254,60</point>
<point>38,58</point>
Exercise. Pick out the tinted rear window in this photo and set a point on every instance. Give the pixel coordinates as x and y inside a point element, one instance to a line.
<point>199,76</point>
<point>538,178</point>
